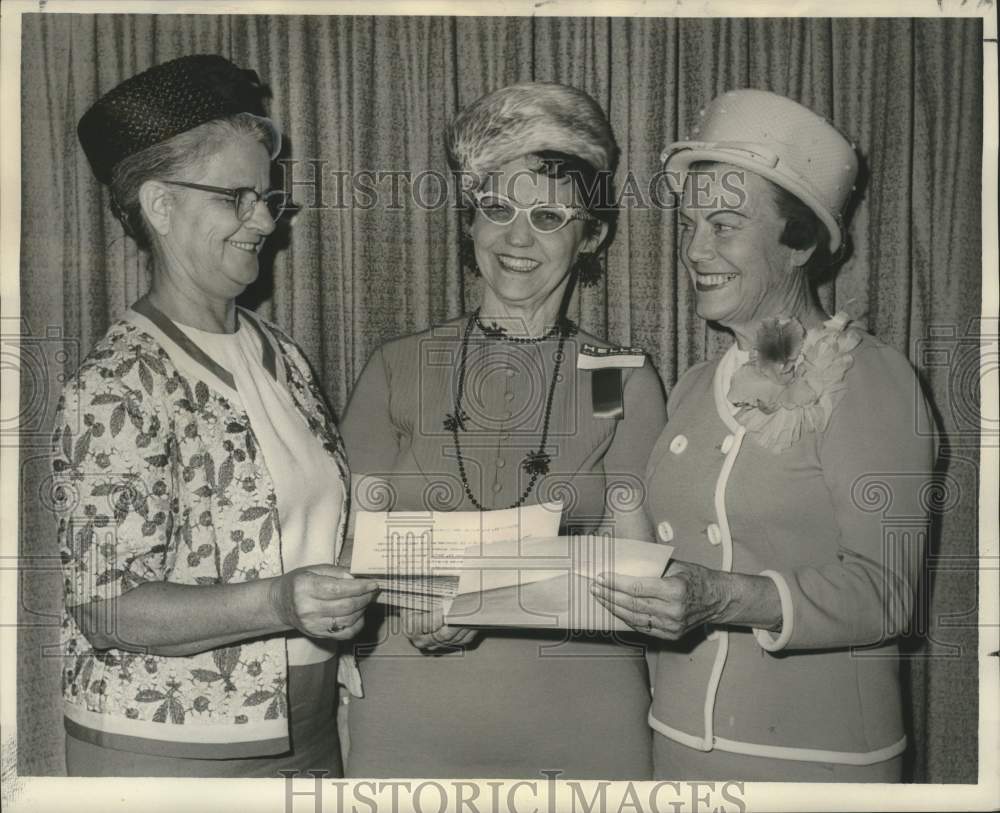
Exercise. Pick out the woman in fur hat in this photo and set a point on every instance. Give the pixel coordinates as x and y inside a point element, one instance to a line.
<point>491,411</point>
<point>199,478</point>
<point>775,476</point>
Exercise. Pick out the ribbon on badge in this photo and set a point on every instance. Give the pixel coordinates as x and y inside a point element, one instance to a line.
<point>606,364</point>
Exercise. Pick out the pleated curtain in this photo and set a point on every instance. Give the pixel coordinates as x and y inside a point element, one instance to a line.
<point>374,94</point>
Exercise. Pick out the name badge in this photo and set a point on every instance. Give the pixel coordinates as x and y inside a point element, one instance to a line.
<point>602,358</point>
<point>606,364</point>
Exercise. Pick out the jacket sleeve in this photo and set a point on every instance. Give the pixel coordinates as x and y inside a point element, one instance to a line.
<point>370,436</point>
<point>112,483</point>
<point>877,456</point>
<point>371,440</point>
<point>635,436</point>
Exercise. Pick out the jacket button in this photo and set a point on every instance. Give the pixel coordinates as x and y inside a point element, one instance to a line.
<point>678,444</point>
<point>714,534</point>
<point>665,531</point>
<point>727,444</point>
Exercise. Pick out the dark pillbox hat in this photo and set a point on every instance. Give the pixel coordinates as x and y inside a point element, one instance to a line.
<point>163,102</point>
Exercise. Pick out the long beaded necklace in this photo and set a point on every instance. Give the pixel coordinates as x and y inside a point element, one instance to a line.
<point>536,463</point>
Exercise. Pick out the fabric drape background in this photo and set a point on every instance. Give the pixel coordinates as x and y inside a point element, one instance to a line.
<point>358,94</point>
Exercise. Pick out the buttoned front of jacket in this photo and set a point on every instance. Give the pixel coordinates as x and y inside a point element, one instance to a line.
<point>734,505</point>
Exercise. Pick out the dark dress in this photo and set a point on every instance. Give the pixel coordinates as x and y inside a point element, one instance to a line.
<point>514,703</point>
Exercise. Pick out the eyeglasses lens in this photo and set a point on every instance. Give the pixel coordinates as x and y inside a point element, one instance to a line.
<point>543,218</point>
<point>276,202</point>
<point>548,220</point>
<point>497,210</point>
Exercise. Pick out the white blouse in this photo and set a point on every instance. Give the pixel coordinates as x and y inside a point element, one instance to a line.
<point>306,480</point>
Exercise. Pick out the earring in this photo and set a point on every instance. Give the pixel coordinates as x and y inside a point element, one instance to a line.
<point>589,269</point>
<point>467,254</point>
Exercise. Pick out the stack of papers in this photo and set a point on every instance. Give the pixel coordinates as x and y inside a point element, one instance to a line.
<point>545,583</point>
<point>416,557</point>
<point>504,568</point>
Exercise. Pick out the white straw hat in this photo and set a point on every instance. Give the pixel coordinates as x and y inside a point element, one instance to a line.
<point>778,139</point>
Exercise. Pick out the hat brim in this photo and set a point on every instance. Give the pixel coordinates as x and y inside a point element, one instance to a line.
<point>679,157</point>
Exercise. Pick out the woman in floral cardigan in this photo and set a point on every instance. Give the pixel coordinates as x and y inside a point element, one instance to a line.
<point>790,478</point>
<point>200,480</point>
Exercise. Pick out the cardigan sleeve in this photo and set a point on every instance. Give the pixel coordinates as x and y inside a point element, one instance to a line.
<point>877,458</point>
<point>112,483</point>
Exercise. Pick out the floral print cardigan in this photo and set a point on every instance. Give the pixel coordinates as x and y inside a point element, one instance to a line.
<point>158,477</point>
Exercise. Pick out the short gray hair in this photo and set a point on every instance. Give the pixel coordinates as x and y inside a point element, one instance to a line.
<point>171,157</point>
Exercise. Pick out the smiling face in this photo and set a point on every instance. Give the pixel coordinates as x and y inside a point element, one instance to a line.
<point>730,246</point>
<point>206,249</point>
<point>521,267</point>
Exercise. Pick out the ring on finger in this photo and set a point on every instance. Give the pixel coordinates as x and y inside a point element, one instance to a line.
<point>649,623</point>
<point>335,626</point>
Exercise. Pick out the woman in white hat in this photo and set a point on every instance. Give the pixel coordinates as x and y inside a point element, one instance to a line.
<point>774,478</point>
<point>492,411</point>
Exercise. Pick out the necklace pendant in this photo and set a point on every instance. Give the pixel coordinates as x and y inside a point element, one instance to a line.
<point>456,422</point>
<point>537,463</point>
<point>492,330</point>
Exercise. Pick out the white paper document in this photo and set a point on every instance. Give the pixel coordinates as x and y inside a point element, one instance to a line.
<point>545,583</point>
<point>417,556</point>
<point>506,568</point>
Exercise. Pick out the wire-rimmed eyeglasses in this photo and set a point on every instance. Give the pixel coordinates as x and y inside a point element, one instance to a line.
<point>245,199</point>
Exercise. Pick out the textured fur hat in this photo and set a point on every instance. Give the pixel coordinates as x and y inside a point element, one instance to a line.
<point>526,118</point>
<point>163,102</point>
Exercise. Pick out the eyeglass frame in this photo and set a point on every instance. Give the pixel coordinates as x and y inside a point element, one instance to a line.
<point>572,212</point>
<point>237,193</point>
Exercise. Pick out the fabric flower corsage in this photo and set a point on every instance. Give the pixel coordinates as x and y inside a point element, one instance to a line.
<point>793,379</point>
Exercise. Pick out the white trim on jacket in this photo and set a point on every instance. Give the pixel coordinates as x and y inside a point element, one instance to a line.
<point>723,373</point>
<point>709,742</point>
<point>755,749</point>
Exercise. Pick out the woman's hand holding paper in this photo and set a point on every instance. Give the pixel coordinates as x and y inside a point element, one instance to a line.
<point>323,601</point>
<point>688,596</point>
<point>428,632</point>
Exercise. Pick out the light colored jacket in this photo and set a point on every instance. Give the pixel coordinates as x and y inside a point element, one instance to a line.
<point>838,522</point>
